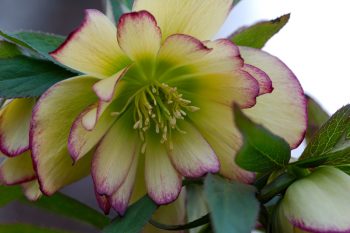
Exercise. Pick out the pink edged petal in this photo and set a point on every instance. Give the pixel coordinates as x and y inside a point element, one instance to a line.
<point>17,170</point>
<point>138,35</point>
<point>284,110</point>
<point>182,49</point>
<point>81,140</point>
<point>327,209</point>
<point>53,117</point>
<point>215,123</point>
<point>191,155</point>
<point>162,180</point>
<point>114,155</point>
<point>265,82</point>
<point>120,199</point>
<point>31,190</point>
<point>103,202</point>
<point>92,48</point>
<point>105,88</point>
<point>198,18</point>
<point>14,126</point>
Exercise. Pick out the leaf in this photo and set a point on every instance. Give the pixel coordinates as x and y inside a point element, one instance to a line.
<point>25,228</point>
<point>42,43</point>
<point>262,151</point>
<point>331,144</point>
<point>28,77</point>
<point>135,219</point>
<point>232,205</point>
<point>317,116</point>
<point>119,7</point>
<point>8,50</point>
<point>258,34</point>
<point>69,207</point>
<point>9,194</point>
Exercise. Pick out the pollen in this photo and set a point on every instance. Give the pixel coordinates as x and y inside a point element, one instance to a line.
<point>159,107</point>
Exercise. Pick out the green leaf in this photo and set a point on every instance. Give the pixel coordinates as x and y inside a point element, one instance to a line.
<point>262,151</point>
<point>28,77</point>
<point>24,228</point>
<point>135,219</point>
<point>42,43</point>
<point>69,207</point>
<point>8,50</point>
<point>317,116</point>
<point>331,144</point>
<point>9,194</point>
<point>119,7</point>
<point>232,205</point>
<point>258,34</point>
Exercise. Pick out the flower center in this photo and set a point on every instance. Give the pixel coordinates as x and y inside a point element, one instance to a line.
<point>159,107</point>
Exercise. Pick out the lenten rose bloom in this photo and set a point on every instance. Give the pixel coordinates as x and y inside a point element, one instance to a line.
<point>318,203</point>
<point>153,103</point>
<point>16,166</point>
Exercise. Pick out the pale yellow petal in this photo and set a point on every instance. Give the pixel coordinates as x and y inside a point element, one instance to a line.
<point>53,117</point>
<point>93,48</point>
<point>14,126</point>
<point>198,18</point>
<point>284,110</point>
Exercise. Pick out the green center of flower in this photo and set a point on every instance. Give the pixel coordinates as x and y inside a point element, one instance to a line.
<point>159,107</point>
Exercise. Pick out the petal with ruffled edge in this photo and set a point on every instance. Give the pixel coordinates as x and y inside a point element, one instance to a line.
<point>14,126</point>
<point>53,117</point>
<point>327,209</point>
<point>284,110</point>
<point>105,88</point>
<point>213,72</point>
<point>192,155</point>
<point>138,35</point>
<point>93,48</point>
<point>120,199</point>
<point>163,182</point>
<point>198,18</point>
<point>215,123</point>
<point>263,79</point>
<point>17,170</point>
<point>81,140</point>
<point>32,190</point>
<point>114,155</point>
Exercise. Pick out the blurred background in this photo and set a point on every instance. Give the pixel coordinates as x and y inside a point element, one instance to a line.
<point>314,44</point>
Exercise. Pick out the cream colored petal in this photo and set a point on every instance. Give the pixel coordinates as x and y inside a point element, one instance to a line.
<point>326,208</point>
<point>32,190</point>
<point>162,180</point>
<point>53,117</point>
<point>81,140</point>
<point>17,170</point>
<point>215,123</point>
<point>284,110</point>
<point>198,18</point>
<point>192,155</point>
<point>93,48</point>
<point>139,36</point>
<point>114,155</point>
<point>14,126</point>
<point>120,199</point>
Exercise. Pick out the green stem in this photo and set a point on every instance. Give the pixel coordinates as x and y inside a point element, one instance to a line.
<point>276,187</point>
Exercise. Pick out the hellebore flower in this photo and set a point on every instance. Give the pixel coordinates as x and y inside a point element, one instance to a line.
<point>16,166</point>
<point>318,203</point>
<point>155,101</point>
